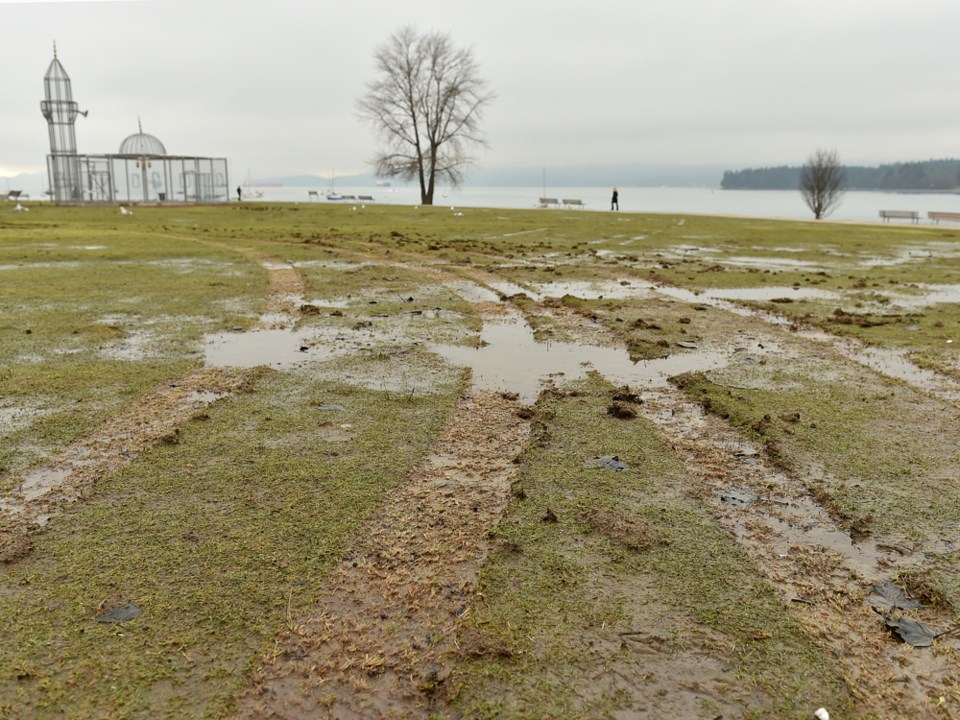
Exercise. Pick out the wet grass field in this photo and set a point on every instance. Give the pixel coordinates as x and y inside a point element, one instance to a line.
<point>204,412</point>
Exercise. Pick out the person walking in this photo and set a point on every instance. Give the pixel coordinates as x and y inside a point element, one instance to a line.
<point>615,200</point>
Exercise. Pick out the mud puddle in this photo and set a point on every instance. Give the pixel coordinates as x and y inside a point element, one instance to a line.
<point>511,360</point>
<point>892,363</point>
<point>928,295</point>
<point>812,562</point>
<point>40,492</point>
<point>595,290</point>
<point>279,348</point>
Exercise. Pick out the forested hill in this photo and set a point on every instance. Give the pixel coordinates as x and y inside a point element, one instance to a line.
<point>925,175</point>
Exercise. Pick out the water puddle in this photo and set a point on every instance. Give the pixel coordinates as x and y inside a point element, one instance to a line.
<point>332,265</point>
<point>281,349</point>
<point>892,363</point>
<point>591,290</point>
<point>508,288</point>
<point>133,347</point>
<point>511,360</point>
<point>39,482</point>
<point>770,294</point>
<point>471,292</point>
<point>905,255</point>
<point>14,418</point>
<point>895,363</point>
<point>792,517</point>
<point>805,523</point>
<point>928,295</point>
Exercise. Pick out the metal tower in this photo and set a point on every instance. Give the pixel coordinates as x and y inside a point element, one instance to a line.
<point>58,107</point>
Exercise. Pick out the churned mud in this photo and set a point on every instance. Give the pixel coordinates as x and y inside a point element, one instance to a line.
<point>382,641</point>
<point>154,418</point>
<point>814,563</point>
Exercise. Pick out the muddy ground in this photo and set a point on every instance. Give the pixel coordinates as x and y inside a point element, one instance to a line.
<point>695,401</point>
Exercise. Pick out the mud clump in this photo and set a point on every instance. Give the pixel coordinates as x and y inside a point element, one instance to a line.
<point>14,543</point>
<point>623,411</point>
<point>624,529</point>
<point>625,394</point>
<point>762,426</point>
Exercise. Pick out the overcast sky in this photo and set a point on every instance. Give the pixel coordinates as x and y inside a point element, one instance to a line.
<point>271,84</point>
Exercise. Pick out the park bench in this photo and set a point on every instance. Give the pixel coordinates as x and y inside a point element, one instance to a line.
<point>937,216</point>
<point>572,203</point>
<point>12,195</point>
<point>365,198</point>
<point>549,202</point>
<point>911,215</point>
<point>313,195</point>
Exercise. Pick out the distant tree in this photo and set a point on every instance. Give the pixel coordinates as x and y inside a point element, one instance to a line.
<point>822,182</point>
<point>426,103</point>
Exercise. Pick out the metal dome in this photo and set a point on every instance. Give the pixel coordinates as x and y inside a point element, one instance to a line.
<point>142,144</point>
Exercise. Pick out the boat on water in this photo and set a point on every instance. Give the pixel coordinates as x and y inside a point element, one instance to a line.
<point>334,196</point>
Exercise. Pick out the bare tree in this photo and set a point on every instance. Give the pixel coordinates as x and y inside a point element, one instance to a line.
<point>426,103</point>
<point>822,182</point>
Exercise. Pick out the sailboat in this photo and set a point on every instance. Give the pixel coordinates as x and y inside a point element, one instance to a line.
<point>332,194</point>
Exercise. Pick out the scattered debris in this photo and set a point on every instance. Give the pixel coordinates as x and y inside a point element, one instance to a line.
<point>331,408</point>
<point>910,631</point>
<point>549,517</point>
<point>687,344</point>
<point>892,596</point>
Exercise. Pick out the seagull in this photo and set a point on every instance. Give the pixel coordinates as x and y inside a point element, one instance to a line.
<point>21,208</point>
<point>124,211</point>
<point>459,214</point>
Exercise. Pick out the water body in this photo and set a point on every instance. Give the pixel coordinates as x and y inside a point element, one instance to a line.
<point>788,204</point>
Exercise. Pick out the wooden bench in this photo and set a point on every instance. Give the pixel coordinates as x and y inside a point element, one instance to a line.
<point>937,216</point>
<point>12,195</point>
<point>549,202</point>
<point>365,198</point>
<point>911,215</point>
<point>572,203</point>
<point>313,195</point>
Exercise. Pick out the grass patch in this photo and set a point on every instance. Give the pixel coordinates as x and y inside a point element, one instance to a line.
<point>220,539</point>
<point>591,558</point>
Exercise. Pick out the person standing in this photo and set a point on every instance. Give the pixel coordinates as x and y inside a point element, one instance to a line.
<point>239,194</point>
<point>615,200</point>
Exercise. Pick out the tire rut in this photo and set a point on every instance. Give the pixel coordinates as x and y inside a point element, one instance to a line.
<point>43,491</point>
<point>382,641</point>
